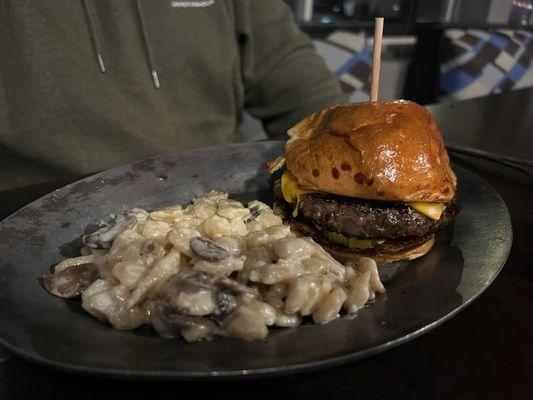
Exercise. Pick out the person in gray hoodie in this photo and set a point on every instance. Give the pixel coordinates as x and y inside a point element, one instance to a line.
<point>88,84</point>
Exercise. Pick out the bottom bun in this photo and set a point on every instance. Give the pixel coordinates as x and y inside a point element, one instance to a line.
<point>381,259</point>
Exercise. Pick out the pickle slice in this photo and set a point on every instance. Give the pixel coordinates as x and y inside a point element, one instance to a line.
<point>350,242</point>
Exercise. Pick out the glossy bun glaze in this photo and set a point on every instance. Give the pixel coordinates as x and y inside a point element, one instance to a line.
<point>387,150</point>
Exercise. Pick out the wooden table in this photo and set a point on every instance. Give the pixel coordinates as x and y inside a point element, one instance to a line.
<point>486,351</point>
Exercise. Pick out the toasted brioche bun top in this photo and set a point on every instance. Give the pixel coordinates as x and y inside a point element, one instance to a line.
<point>387,150</point>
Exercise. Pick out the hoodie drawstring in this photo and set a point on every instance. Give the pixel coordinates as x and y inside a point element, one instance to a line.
<point>147,47</point>
<point>94,37</point>
<point>97,48</point>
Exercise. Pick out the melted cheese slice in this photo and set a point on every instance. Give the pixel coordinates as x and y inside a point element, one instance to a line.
<point>431,210</point>
<point>292,192</point>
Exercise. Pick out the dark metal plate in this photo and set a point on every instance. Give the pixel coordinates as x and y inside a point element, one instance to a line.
<point>58,333</point>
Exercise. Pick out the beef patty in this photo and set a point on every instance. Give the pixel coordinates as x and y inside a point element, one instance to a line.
<point>382,248</point>
<point>367,219</point>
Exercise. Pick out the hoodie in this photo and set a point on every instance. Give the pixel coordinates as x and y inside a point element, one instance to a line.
<point>89,84</point>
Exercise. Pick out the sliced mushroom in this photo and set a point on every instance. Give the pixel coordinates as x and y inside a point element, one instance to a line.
<point>197,304</point>
<point>168,323</point>
<point>208,250</point>
<point>189,296</point>
<point>215,282</point>
<point>147,247</point>
<point>226,304</point>
<point>234,287</point>
<point>254,213</point>
<point>72,281</point>
<point>103,237</point>
<point>206,287</point>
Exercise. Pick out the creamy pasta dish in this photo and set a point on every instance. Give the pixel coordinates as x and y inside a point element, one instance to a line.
<point>212,268</point>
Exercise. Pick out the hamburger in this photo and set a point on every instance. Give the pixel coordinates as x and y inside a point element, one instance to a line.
<point>366,179</point>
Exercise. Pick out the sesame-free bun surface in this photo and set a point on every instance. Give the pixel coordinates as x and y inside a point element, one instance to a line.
<point>387,150</point>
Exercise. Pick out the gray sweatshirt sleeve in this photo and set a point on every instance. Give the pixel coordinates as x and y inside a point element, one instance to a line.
<point>284,78</point>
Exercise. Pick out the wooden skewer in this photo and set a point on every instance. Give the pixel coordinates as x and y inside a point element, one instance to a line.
<point>376,59</point>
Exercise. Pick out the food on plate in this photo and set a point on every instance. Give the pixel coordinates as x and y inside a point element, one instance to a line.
<point>367,180</point>
<point>212,268</point>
